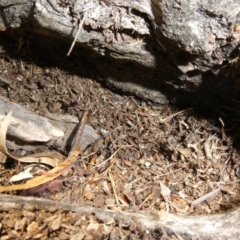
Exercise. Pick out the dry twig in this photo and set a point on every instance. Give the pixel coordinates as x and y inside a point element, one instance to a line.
<point>145,200</point>
<point>75,143</point>
<point>114,188</point>
<point>163,120</point>
<point>205,197</point>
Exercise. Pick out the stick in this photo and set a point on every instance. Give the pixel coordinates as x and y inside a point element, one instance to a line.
<point>114,188</point>
<point>76,141</point>
<point>78,32</point>
<point>205,197</point>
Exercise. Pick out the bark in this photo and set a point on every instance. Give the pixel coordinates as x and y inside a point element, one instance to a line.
<point>163,49</point>
<point>222,226</point>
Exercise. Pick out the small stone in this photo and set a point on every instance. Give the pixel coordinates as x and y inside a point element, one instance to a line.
<point>56,223</point>
<point>78,236</point>
<point>110,201</point>
<point>64,236</point>
<point>38,236</point>
<point>147,164</point>
<point>19,225</point>
<point>88,194</point>
<point>32,227</point>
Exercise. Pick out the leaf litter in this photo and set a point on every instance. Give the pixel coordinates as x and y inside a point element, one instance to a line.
<point>46,177</point>
<point>181,174</point>
<point>149,157</point>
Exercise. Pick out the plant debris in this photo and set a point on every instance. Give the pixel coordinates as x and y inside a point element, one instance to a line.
<point>47,178</point>
<point>149,157</point>
<point>143,146</point>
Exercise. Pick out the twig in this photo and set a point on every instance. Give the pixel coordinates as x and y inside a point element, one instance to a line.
<point>71,93</point>
<point>79,28</point>
<point>89,155</point>
<point>223,131</point>
<point>112,163</point>
<point>164,174</point>
<point>76,141</point>
<point>146,199</point>
<point>102,137</point>
<point>114,188</point>
<point>77,34</point>
<point>111,156</point>
<point>213,193</point>
<point>163,120</point>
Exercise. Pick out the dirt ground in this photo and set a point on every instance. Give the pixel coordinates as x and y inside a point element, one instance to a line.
<point>149,158</point>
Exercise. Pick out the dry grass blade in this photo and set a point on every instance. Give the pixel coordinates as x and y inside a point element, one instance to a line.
<point>114,188</point>
<point>224,136</point>
<point>112,161</point>
<point>50,158</point>
<point>49,176</point>
<point>77,34</point>
<point>79,28</point>
<point>145,200</point>
<point>112,156</point>
<point>3,133</point>
<point>163,120</point>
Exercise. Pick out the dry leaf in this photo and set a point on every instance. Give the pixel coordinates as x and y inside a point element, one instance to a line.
<point>3,134</point>
<point>51,175</point>
<point>127,200</point>
<point>88,194</point>
<point>185,152</point>
<point>174,200</point>
<point>165,191</point>
<point>237,28</point>
<point>46,178</point>
<point>208,148</point>
<point>32,227</point>
<point>22,175</point>
<point>50,158</point>
<point>179,204</point>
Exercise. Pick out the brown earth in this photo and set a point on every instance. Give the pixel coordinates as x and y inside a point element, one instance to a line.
<point>144,149</point>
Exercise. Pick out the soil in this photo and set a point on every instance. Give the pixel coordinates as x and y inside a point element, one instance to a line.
<point>150,157</point>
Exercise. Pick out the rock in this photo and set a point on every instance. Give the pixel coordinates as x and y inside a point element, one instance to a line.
<point>29,130</point>
<point>26,125</point>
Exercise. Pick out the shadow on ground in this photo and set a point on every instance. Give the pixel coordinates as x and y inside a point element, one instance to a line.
<point>214,98</point>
